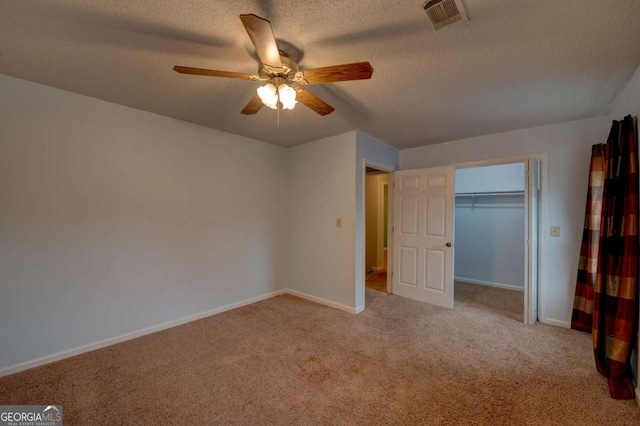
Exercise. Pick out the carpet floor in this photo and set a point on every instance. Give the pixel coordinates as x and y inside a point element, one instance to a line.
<point>286,361</point>
<point>497,301</point>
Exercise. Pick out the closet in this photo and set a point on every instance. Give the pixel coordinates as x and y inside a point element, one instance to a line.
<point>490,226</point>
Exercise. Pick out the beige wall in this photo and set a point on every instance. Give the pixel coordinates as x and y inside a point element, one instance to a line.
<point>374,216</point>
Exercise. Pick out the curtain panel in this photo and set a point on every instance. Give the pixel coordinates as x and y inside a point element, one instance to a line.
<point>582,317</point>
<point>606,301</point>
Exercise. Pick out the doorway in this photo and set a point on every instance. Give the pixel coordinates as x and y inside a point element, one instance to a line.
<point>421,263</point>
<point>490,230</point>
<point>376,217</point>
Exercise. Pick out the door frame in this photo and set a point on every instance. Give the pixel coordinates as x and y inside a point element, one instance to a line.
<point>542,238</point>
<point>381,247</point>
<point>385,169</point>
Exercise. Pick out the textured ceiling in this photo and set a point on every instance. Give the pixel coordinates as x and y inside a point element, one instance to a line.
<point>515,64</point>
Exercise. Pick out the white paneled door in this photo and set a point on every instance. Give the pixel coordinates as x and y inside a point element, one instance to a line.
<point>423,211</point>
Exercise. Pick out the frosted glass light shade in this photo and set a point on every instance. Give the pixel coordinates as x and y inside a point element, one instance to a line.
<point>268,96</point>
<point>287,96</point>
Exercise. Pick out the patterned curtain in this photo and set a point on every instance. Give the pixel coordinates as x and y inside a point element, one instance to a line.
<point>606,300</point>
<point>582,317</point>
<point>616,287</point>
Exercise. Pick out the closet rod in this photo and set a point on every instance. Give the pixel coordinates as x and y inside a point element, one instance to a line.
<point>479,194</point>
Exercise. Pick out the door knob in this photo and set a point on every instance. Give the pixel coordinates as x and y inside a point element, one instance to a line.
<point>448,244</point>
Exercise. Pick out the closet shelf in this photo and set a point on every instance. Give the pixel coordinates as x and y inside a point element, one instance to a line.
<point>482,194</point>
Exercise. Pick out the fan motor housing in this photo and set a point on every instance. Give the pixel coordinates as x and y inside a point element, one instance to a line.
<point>289,68</point>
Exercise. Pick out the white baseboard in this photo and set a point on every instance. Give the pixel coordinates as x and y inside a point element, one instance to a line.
<point>377,268</point>
<point>557,323</point>
<point>325,302</point>
<point>47,359</point>
<point>489,284</point>
<point>638,396</point>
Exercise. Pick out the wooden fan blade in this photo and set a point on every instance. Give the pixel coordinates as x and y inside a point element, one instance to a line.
<point>261,34</point>
<point>312,101</point>
<point>253,106</point>
<point>215,73</point>
<point>346,72</point>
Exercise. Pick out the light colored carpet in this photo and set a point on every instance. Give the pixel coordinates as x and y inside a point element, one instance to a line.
<point>288,361</point>
<point>497,301</point>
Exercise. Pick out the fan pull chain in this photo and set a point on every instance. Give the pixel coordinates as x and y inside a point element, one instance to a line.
<point>278,108</point>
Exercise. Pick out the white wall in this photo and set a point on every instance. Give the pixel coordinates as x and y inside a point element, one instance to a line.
<point>327,182</point>
<point>628,101</point>
<point>569,150</point>
<point>323,188</point>
<point>499,178</point>
<point>489,229</point>
<point>489,235</point>
<point>114,220</point>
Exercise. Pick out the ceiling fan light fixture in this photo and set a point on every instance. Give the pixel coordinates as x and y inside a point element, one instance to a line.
<point>268,95</point>
<point>287,95</point>
<point>279,71</point>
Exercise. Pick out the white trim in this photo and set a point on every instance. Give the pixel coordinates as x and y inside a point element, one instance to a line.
<point>378,166</point>
<point>489,284</point>
<point>361,263</point>
<point>543,197</point>
<point>325,302</point>
<point>638,395</point>
<point>498,161</point>
<point>377,268</point>
<point>390,189</point>
<point>47,359</point>
<point>557,323</point>
<point>380,224</point>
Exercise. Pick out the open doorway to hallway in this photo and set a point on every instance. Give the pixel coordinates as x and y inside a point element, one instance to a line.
<point>376,220</point>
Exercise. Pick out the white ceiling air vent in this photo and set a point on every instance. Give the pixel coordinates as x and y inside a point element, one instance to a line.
<point>443,13</point>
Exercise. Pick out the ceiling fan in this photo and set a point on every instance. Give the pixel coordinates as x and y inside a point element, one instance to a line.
<point>284,79</point>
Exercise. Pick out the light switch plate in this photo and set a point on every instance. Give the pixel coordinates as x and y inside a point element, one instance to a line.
<point>555,231</point>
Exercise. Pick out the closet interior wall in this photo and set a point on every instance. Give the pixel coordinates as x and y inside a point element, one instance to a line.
<point>490,225</point>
